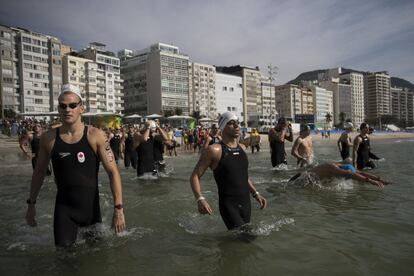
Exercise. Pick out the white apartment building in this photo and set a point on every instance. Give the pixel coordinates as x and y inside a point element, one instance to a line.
<point>82,73</point>
<point>156,79</point>
<point>268,101</point>
<point>289,101</point>
<point>341,92</point>
<point>109,95</point>
<point>377,95</point>
<point>229,95</point>
<point>9,99</point>
<point>323,104</point>
<point>202,89</point>
<point>39,77</point>
<point>402,105</point>
<point>252,92</point>
<point>356,82</point>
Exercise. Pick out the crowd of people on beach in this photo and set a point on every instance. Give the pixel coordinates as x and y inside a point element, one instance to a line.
<point>74,151</point>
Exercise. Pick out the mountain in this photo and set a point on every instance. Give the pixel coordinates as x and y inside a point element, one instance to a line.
<point>313,75</point>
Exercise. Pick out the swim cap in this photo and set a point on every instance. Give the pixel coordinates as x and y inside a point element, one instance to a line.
<point>348,125</point>
<point>71,88</point>
<point>225,118</point>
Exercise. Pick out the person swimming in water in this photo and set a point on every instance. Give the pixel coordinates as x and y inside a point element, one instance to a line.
<point>342,170</point>
<point>229,164</point>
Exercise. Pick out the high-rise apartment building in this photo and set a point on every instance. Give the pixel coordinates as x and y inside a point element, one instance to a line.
<point>82,73</point>
<point>356,82</point>
<point>341,92</point>
<point>39,73</point>
<point>109,95</point>
<point>252,93</point>
<point>229,95</point>
<point>156,79</point>
<point>323,105</point>
<point>288,101</point>
<point>9,96</point>
<point>402,102</point>
<point>202,89</point>
<point>377,96</point>
<point>268,102</point>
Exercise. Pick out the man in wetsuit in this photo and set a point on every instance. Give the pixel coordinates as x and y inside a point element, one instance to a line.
<point>345,141</point>
<point>229,164</point>
<point>33,139</point>
<point>130,154</point>
<point>213,137</point>
<point>75,151</point>
<point>148,143</point>
<point>116,145</point>
<point>277,137</point>
<point>361,149</point>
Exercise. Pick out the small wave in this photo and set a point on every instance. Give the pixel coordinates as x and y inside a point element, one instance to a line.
<point>265,229</point>
<point>17,246</point>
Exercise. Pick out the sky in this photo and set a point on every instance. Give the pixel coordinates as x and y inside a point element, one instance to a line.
<point>294,36</point>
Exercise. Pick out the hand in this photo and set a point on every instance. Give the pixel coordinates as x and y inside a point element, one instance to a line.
<point>30,215</point>
<point>118,221</point>
<point>204,207</point>
<point>376,183</point>
<point>262,201</point>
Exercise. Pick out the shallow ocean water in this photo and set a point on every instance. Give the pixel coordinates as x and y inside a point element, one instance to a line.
<point>341,228</point>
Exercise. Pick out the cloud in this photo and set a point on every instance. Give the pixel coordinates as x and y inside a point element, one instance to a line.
<point>296,36</point>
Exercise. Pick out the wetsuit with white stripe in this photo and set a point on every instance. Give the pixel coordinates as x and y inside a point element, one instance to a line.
<point>232,176</point>
<point>77,200</point>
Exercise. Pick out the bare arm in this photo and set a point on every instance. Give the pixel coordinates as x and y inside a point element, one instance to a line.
<point>164,136</point>
<point>355,147</point>
<point>206,160</point>
<point>262,201</point>
<point>295,149</point>
<point>107,158</point>
<point>38,176</point>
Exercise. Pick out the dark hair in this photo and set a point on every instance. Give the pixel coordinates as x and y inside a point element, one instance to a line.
<point>363,125</point>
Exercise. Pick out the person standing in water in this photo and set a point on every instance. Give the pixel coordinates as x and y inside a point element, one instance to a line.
<point>302,148</point>
<point>345,141</point>
<point>361,149</point>
<point>75,151</point>
<point>229,164</point>
<point>148,144</point>
<point>130,154</point>
<point>277,137</point>
<point>213,137</point>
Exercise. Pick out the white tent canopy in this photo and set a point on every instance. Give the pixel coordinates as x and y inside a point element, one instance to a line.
<point>133,116</point>
<point>154,116</point>
<point>179,117</point>
<point>106,113</point>
<point>207,119</point>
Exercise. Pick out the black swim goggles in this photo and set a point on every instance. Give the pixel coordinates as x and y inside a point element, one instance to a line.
<point>71,105</point>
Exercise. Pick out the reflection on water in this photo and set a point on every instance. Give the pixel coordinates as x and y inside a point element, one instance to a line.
<point>336,226</point>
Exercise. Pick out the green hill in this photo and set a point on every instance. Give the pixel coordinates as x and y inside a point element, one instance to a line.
<point>313,75</point>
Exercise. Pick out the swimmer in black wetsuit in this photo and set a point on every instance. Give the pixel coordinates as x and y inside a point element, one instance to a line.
<point>213,137</point>
<point>361,149</point>
<point>230,167</point>
<point>345,142</point>
<point>75,151</point>
<point>115,144</point>
<point>277,137</point>
<point>130,154</point>
<point>149,143</point>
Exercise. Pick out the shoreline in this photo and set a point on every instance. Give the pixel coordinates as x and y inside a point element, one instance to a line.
<point>10,145</point>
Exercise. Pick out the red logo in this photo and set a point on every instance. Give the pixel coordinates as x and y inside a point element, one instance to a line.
<point>81,157</point>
